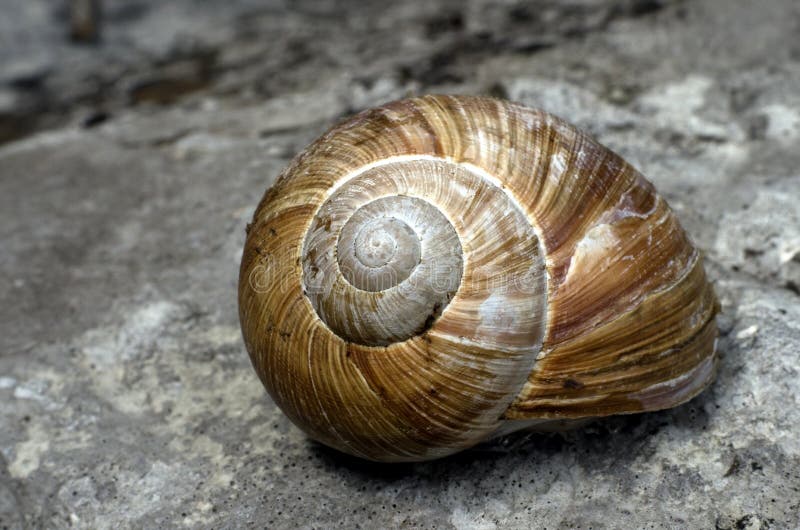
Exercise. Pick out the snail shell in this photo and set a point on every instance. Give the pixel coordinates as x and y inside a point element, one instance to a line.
<point>442,269</point>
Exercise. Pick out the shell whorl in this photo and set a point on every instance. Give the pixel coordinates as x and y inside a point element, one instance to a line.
<point>432,269</point>
<point>390,248</point>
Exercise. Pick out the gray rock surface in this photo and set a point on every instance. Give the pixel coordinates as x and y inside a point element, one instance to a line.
<point>131,168</point>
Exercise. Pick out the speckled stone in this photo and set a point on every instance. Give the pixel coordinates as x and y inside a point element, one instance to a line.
<point>127,399</point>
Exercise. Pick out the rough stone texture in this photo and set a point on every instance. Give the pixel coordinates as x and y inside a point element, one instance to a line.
<point>131,167</point>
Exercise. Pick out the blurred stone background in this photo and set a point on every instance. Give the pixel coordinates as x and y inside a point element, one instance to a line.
<point>129,167</point>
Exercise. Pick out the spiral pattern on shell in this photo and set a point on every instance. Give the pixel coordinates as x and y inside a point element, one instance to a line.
<point>440,269</point>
